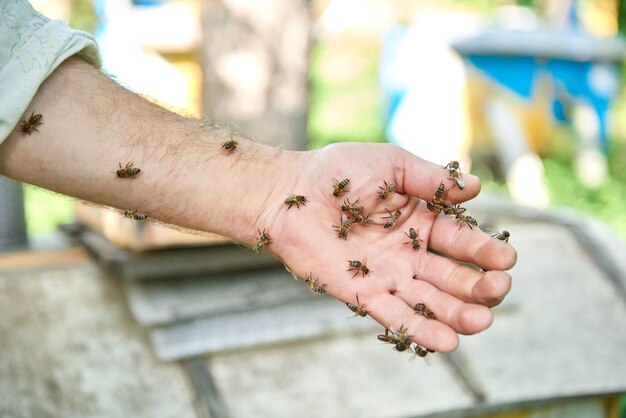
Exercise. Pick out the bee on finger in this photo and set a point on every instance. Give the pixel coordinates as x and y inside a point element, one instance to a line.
<point>464,219</point>
<point>415,240</point>
<point>390,337</point>
<point>230,145</point>
<point>438,205</point>
<point>454,168</point>
<point>340,187</point>
<point>133,214</point>
<point>454,210</point>
<point>422,309</point>
<point>127,171</point>
<point>30,125</point>
<point>421,351</point>
<point>295,199</point>
<point>358,309</point>
<point>358,267</point>
<point>502,236</point>
<point>314,284</point>
<point>387,190</point>
<point>392,218</point>
<point>403,341</point>
<point>263,240</point>
<point>342,231</point>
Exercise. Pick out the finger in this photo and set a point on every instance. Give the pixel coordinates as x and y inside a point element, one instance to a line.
<point>464,318</point>
<point>463,243</point>
<point>420,178</point>
<point>393,313</point>
<point>462,282</point>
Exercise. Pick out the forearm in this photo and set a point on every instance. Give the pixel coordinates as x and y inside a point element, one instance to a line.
<point>91,125</point>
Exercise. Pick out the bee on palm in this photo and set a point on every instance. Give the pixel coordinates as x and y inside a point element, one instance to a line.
<point>358,267</point>
<point>314,284</point>
<point>392,218</point>
<point>30,125</point>
<point>342,230</point>
<point>387,190</point>
<point>414,238</point>
<point>340,187</point>
<point>295,199</point>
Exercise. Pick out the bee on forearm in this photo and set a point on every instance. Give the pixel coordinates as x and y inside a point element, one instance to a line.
<point>352,208</point>
<point>342,231</point>
<point>295,199</point>
<point>358,267</point>
<point>455,173</point>
<point>502,236</point>
<point>387,190</point>
<point>340,187</point>
<point>358,309</point>
<point>263,240</point>
<point>392,218</point>
<point>31,124</point>
<point>422,309</point>
<point>464,219</point>
<point>314,284</point>
<point>230,145</point>
<point>415,240</point>
<point>128,171</point>
<point>133,214</point>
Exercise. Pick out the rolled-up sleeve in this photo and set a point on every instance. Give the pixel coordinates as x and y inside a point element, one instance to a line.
<point>31,47</point>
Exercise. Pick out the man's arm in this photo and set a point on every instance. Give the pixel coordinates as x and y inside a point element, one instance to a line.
<point>91,124</point>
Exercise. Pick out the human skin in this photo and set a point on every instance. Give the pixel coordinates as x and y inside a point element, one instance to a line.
<point>91,125</point>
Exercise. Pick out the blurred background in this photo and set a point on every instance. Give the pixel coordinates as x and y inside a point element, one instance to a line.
<point>529,95</point>
<point>536,116</point>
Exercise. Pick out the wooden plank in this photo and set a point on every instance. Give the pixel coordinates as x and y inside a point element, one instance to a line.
<point>159,302</point>
<point>40,259</point>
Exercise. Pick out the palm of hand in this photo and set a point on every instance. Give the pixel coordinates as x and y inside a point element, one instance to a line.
<point>399,276</point>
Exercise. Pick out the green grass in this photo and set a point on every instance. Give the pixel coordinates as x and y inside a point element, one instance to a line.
<point>45,210</point>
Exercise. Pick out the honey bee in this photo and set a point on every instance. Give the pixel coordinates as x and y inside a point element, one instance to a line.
<point>403,341</point>
<point>361,219</point>
<point>314,284</point>
<point>31,125</point>
<point>454,210</point>
<point>352,208</point>
<point>128,171</point>
<point>414,239</point>
<point>421,351</point>
<point>358,309</point>
<point>295,199</point>
<point>391,338</point>
<point>133,214</point>
<point>455,173</point>
<point>387,190</point>
<point>437,205</point>
<point>464,219</point>
<point>502,236</point>
<point>263,240</point>
<point>230,145</point>
<point>340,187</point>
<point>421,309</point>
<point>342,231</point>
<point>358,267</point>
<point>392,218</point>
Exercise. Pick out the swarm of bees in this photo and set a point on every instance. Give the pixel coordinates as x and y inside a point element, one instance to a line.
<point>30,125</point>
<point>438,205</point>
